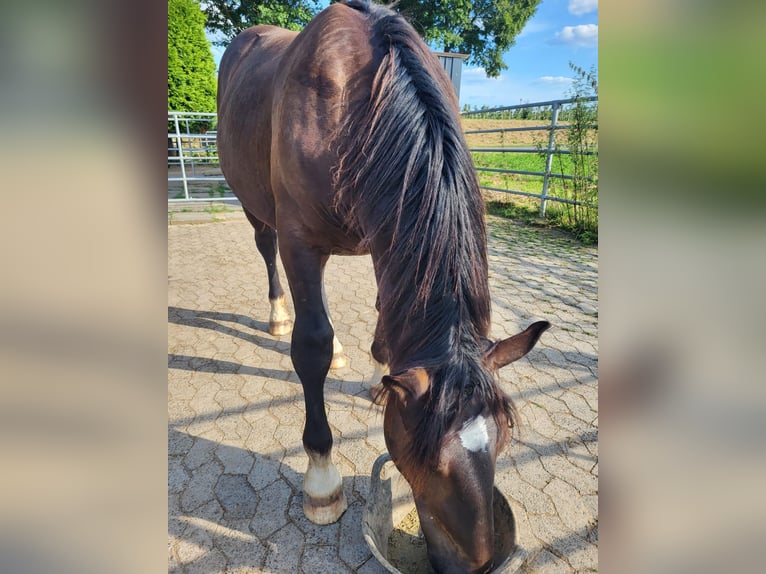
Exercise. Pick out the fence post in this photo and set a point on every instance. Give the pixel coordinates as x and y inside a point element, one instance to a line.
<point>181,157</point>
<point>549,156</point>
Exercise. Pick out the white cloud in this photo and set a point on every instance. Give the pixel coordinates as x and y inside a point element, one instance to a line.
<point>580,7</point>
<point>474,75</point>
<point>532,27</point>
<point>582,36</point>
<point>556,80</point>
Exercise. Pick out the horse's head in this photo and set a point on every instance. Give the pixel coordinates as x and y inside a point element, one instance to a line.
<point>452,469</point>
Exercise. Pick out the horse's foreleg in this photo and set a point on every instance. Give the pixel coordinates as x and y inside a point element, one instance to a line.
<point>312,352</point>
<point>266,241</point>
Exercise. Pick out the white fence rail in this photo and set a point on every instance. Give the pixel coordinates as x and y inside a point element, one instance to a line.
<point>194,172</point>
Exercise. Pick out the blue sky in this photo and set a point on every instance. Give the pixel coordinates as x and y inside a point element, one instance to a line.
<point>538,64</point>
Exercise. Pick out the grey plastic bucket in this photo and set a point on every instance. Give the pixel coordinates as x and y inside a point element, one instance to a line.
<point>390,500</point>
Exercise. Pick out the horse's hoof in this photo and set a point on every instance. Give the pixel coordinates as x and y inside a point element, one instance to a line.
<point>325,510</point>
<point>338,361</point>
<point>280,328</point>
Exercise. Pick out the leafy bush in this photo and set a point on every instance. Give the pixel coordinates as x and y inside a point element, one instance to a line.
<point>581,218</point>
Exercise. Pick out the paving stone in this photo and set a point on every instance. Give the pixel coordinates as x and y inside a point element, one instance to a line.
<point>569,507</point>
<point>212,561</point>
<point>533,471</point>
<point>584,482</point>
<point>178,477</point>
<point>211,512</point>
<point>353,549</point>
<point>264,472</point>
<point>200,452</point>
<point>235,460</point>
<point>324,535</point>
<point>193,545</point>
<point>243,551</point>
<point>372,566</point>
<point>236,496</point>
<point>524,534</point>
<point>584,559</point>
<point>284,550</point>
<point>322,559</point>
<point>533,500</point>
<point>548,563</point>
<point>200,486</point>
<point>271,514</point>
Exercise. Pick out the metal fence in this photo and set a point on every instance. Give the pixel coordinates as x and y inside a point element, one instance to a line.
<point>549,112</point>
<point>194,172</point>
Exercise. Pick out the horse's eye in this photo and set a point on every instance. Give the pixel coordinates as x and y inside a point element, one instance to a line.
<point>468,391</point>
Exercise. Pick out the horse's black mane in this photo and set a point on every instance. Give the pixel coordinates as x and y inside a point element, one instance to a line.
<point>405,182</point>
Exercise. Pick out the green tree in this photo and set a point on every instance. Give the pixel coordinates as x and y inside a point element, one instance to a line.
<point>191,69</point>
<point>230,17</point>
<point>485,29</point>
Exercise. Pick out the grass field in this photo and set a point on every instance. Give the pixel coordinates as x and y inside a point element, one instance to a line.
<point>526,208</point>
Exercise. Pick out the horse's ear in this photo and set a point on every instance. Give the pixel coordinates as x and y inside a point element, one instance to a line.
<point>513,348</point>
<point>409,385</point>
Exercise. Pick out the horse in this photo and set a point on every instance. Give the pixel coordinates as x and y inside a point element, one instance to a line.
<point>345,139</point>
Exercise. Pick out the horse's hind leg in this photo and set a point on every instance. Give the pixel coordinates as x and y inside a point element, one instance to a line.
<point>311,350</point>
<point>266,241</point>
<point>338,358</point>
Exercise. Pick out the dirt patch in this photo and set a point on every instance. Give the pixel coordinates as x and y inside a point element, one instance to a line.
<point>407,546</point>
<point>505,139</point>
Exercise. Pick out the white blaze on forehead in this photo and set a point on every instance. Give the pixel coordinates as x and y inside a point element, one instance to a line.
<point>474,435</point>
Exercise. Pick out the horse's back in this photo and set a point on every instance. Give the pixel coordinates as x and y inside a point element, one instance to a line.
<point>245,99</point>
<point>282,100</point>
<point>326,75</point>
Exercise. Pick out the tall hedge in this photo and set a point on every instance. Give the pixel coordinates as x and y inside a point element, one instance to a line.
<point>191,69</point>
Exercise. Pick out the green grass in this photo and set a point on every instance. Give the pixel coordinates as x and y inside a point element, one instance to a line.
<point>585,232</point>
<point>219,190</point>
<point>526,209</point>
<point>524,162</point>
<point>218,208</point>
<point>518,211</point>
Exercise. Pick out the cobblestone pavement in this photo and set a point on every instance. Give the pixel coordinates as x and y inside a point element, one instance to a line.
<point>236,410</point>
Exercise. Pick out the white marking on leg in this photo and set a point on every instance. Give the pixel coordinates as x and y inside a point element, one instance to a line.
<point>338,360</point>
<point>337,348</point>
<point>322,479</point>
<point>278,310</point>
<point>474,435</point>
<point>324,302</point>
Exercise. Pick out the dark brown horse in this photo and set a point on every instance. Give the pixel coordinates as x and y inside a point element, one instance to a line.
<point>346,139</point>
